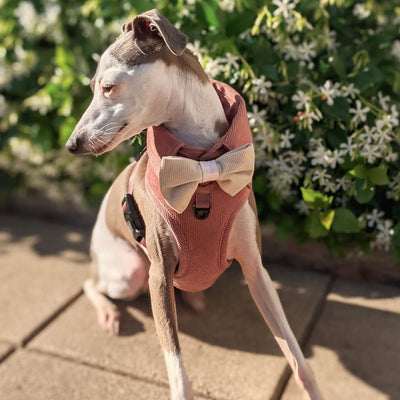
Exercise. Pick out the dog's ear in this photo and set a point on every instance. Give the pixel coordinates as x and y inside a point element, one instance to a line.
<point>151,30</point>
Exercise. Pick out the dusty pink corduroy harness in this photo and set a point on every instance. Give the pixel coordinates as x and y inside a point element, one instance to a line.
<point>202,242</point>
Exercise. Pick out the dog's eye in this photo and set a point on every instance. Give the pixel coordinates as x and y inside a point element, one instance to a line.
<point>106,89</point>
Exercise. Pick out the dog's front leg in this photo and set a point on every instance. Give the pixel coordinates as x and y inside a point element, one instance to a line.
<point>163,263</point>
<point>267,300</point>
<point>247,252</point>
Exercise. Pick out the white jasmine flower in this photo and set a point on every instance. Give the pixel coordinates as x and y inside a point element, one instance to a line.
<point>227,5</point>
<point>309,117</point>
<point>383,101</point>
<point>391,156</point>
<point>231,61</point>
<point>343,183</point>
<point>307,50</point>
<point>329,91</point>
<point>302,207</point>
<point>285,139</point>
<point>261,86</point>
<point>290,51</point>
<point>361,11</point>
<point>348,148</point>
<point>350,91</point>
<point>40,103</point>
<point>331,39</point>
<point>27,16</point>
<point>256,117</point>
<point>322,176</point>
<point>302,99</point>
<point>360,114</point>
<point>368,135</point>
<point>284,7</point>
<point>330,186</point>
<point>196,49</point>
<point>325,157</point>
<point>374,218</point>
<point>332,158</point>
<point>391,120</point>
<point>383,238</point>
<point>396,49</point>
<point>51,14</point>
<point>371,152</point>
<point>214,67</point>
<point>23,150</point>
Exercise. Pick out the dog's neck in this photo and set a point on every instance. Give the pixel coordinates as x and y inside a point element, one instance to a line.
<point>194,113</point>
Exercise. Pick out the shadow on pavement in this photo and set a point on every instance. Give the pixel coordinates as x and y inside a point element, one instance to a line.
<point>365,341</point>
<point>47,237</point>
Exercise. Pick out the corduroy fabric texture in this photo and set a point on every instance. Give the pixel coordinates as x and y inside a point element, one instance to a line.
<point>202,243</point>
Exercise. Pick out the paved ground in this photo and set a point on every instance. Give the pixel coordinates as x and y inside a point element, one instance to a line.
<point>51,347</point>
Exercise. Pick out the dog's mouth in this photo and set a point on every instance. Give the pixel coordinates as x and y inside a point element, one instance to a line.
<point>105,147</point>
<point>122,127</point>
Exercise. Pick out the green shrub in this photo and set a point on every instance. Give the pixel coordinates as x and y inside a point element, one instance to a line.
<point>321,79</point>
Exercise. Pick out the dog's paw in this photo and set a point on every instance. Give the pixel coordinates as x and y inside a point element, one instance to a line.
<point>195,300</point>
<point>108,318</point>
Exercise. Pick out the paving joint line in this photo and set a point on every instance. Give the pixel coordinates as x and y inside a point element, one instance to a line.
<point>283,382</point>
<point>11,350</point>
<point>114,371</point>
<point>47,321</point>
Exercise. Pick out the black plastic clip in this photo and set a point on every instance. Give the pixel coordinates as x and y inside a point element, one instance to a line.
<point>201,206</point>
<point>201,213</point>
<point>133,217</point>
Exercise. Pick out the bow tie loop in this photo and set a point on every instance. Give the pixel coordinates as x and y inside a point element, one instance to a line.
<point>180,176</point>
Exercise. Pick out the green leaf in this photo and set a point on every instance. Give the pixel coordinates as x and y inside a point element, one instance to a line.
<point>238,23</point>
<point>378,175</point>
<point>323,66</point>
<point>345,221</point>
<point>339,66</point>
<point>339,110</point>
<point>359,171</point>
<point>212,13</point>
<point>336,137</point>
<point>368,77</point>
<point>314,227</point>
<point>326,218</point>
<point>316,200</point>
<point>364,191</point>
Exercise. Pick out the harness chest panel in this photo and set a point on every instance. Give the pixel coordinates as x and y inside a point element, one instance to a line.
<point>202,242</point>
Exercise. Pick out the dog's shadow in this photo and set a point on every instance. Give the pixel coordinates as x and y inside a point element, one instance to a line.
<point>230,321</point>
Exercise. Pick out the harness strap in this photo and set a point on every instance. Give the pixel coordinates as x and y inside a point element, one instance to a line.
<point>133,218</point>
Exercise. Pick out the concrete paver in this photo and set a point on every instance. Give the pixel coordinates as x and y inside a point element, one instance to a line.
<point>355,351</point>
<point>42,266</point>
<point>34,376</point>
<point>229,352</point>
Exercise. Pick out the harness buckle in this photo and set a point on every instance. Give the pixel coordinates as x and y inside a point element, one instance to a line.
<point>133,217</point>
<point>201,206</point>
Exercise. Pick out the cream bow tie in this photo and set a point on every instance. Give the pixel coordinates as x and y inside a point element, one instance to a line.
<point>180,176</point>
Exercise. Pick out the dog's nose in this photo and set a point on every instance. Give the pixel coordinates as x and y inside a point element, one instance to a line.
<point>74,145</point>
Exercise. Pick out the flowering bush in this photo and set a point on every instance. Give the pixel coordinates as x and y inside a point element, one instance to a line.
<point>321,78</point>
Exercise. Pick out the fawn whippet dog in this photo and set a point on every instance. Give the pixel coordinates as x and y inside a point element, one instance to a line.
<point>147,78</point>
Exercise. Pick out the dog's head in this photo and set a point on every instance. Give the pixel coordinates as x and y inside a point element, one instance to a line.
<point>130,86</point>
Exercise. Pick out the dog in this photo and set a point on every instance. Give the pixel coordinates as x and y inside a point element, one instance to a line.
<point>197,132</point>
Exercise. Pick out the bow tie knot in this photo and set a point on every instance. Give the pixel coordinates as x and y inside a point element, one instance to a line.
<point>180,176</point>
